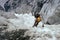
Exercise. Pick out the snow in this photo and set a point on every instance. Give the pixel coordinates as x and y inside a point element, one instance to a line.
<point>26,21</point>
<point>23,21</point>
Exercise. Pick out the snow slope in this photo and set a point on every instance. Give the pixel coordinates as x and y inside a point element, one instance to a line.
<point>26,21</point>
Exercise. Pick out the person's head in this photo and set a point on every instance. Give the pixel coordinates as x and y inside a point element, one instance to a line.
<point>37,15</point>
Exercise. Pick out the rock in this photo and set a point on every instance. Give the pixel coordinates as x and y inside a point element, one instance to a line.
<point>8,15</point>
<point>1,8</point>
<point>13,4</point>
<point>50,12</point>
<point>3,21</point>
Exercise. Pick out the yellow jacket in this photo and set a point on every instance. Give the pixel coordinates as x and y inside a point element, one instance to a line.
<point>38,19</point>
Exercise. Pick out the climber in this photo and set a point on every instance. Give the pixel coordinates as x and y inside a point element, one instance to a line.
<point>38,19</point>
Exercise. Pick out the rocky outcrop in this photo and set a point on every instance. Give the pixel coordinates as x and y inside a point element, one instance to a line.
<point>7,15</point>
<point>2,2</point>
<point>51,11</point>
<point>22,4</point>
<point>1,8</point>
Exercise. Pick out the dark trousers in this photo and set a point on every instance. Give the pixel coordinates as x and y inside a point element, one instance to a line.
<point>35,24</point>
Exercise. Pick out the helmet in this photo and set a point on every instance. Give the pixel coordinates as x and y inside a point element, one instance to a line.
<point>37,15</point>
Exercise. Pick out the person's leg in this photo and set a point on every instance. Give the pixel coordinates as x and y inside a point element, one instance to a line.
<point>43,25</point>
<point>35,24</point>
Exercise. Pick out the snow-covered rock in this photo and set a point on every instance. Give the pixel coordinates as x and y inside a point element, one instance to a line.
<point>21,5</point>
<point>1,8</point>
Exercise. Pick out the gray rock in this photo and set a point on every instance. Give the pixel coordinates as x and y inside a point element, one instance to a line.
<point>7,14</point>
<point>1,8</point>
<point>3,21</point>
<point>13,4</point>
<point>50,12</point>
<point>2,2</point>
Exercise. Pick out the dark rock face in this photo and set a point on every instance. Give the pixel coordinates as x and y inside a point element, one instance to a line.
<point>50,12</point>
<point>38,6</point>
<point>13,4</point>
<point>14,35</point>
<point>6,6</point>
<point>1,8</point>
